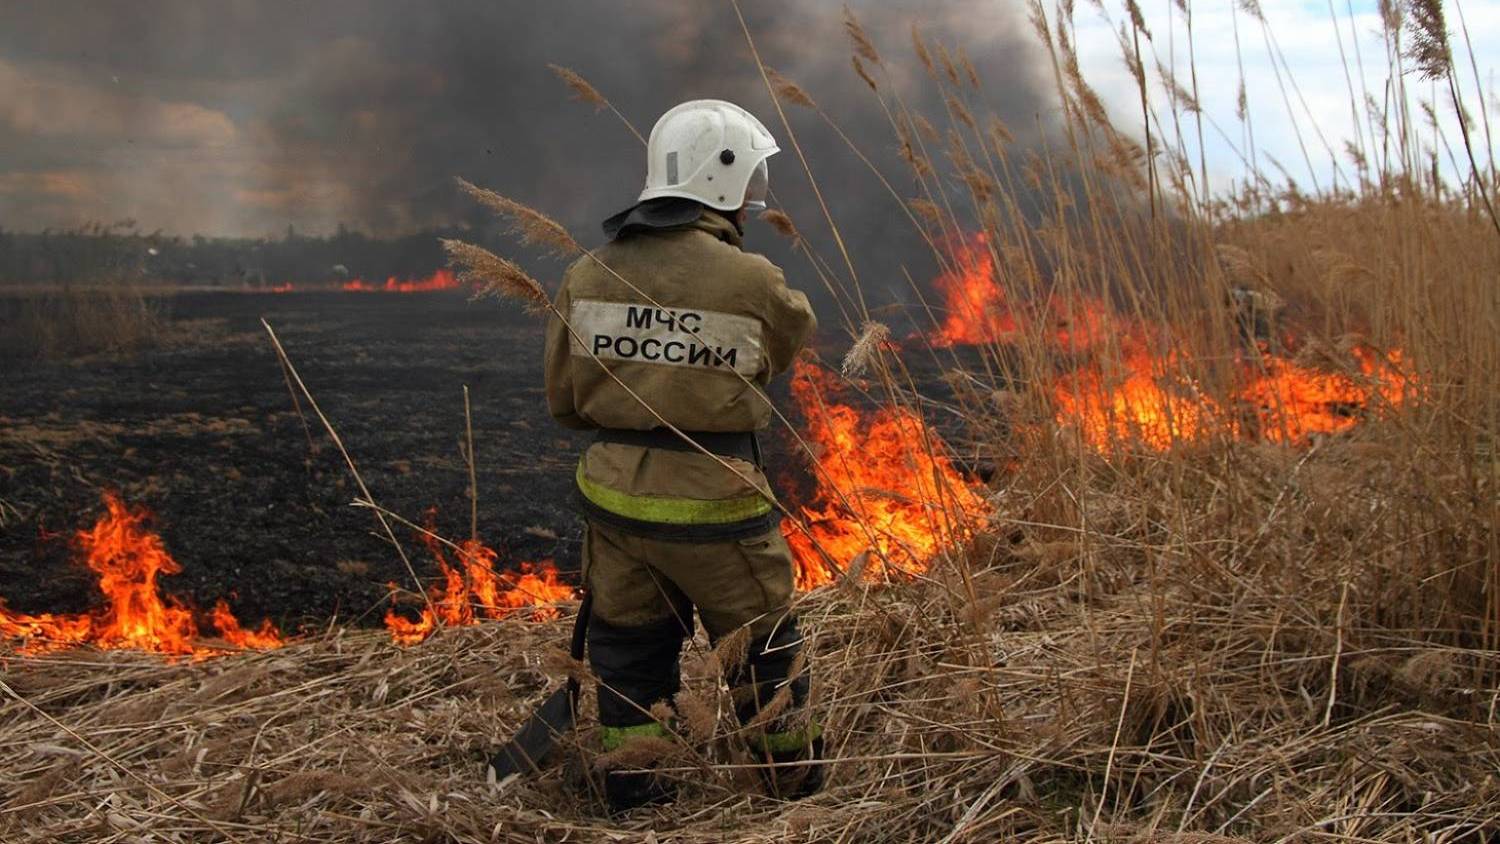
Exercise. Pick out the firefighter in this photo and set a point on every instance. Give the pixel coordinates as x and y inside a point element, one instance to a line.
<point>672,325</point>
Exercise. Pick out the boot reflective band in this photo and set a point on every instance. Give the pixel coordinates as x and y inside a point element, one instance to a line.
<point>614,737</point>
<point>790,741</point>
<point>664,509</point>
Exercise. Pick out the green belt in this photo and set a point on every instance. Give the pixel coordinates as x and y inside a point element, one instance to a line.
<point>669,510</point>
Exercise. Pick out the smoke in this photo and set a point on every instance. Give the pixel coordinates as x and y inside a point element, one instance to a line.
<point>245,117</point>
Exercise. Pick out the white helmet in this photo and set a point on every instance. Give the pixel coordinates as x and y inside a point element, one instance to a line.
<point>710,151</point>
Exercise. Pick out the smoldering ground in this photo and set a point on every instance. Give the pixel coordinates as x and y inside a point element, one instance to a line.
<point>247,117</point>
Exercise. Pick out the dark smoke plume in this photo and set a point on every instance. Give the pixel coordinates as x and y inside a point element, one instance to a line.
<point>244,117</point>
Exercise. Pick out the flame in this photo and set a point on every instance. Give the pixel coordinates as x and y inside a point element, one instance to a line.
<point>975,309</point>
<point>1274,398</point>
<point>472,589</point>
<point>1082,323</point>
<point>264,637</point>
<point>439,280</point>
<point>1146,401</point>
<point>1294,402</point>
<point>1146,397</point>
<point>886,485</point>
<point>128,558</point>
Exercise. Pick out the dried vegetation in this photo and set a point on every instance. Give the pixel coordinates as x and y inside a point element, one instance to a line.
<point>113,319</point>
<point>1228,640</point>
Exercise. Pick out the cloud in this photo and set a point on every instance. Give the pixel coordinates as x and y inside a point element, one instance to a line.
<point>1306,80</point>
<point>41,100</point>
<point>63,184</point>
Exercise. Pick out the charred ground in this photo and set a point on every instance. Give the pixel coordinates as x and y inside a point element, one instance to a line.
<point>202,430</point>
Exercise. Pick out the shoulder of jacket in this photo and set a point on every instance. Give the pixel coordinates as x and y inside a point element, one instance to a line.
<point>591,265</point>
<point>751,263</point>
<point>579,263</point>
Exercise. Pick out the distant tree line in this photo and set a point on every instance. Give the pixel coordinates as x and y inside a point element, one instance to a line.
<point>100,253</point>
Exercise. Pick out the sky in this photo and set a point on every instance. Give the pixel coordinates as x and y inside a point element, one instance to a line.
<point>1320,61</point>
<point>241,117</point>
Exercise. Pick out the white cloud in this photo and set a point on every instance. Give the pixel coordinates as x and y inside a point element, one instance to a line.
<point>1312,102</point>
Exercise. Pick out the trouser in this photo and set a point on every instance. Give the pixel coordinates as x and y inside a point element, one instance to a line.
<point>645,591</point>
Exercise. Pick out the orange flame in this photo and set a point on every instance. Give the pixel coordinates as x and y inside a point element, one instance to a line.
<point>1146,398</point>
<point>473,588</point>
<point>1276,398</point>
<point>1294,402</point>
<point>128,558</point>
<point>886,486</point>
<point>975,304</point>
<point>287,287</point>
<point>264,637</point>
<point>1082,323</point>
<point>1143,403</point>
<point>439,280</point>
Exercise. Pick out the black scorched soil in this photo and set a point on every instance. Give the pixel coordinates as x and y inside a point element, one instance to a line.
<point>203,432</point>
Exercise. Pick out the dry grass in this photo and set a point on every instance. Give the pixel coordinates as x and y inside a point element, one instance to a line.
<point>76,322</point>
<point>1228,640</point>
<point>1132,683</point>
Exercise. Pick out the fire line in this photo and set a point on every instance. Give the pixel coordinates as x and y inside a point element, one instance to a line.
<point>128,558</point>
<point>472,589</point>
<point>1147,397</point>
<point>886,486</point>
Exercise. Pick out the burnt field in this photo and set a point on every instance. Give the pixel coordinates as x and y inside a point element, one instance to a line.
<point>203,431</point>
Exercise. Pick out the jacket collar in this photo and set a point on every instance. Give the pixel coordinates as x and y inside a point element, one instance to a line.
<point>719,226</point>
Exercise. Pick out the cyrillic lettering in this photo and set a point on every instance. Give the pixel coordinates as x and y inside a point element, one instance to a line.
<point>638,318</point>
<point>666,336</point>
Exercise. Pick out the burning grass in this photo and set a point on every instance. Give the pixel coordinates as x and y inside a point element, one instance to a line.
<point>1140,681</point>
<point>1233,639</point>
<point>441,279</point>
<point>127,557</point>
<point>1234,579</point>
<point>888,498</point>
<point>476,587</point>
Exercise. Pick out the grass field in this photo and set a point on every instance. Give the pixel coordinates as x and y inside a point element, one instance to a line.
<point>1233,577</point>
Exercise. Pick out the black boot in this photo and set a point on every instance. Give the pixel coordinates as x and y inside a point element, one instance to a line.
<point>795,781</point>
<point>633,789</point>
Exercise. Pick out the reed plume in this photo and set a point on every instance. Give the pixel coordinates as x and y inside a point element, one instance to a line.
<point>861,39</point>
<point>866,348</point>
<point>783,224</point>
<point>859,69</point>
<point>532,226</point>
<point>495,276</point>
<point>788,90</point>
<point>582,90</point>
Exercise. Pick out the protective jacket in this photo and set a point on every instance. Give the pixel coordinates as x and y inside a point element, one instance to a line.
<point>722,320</point>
